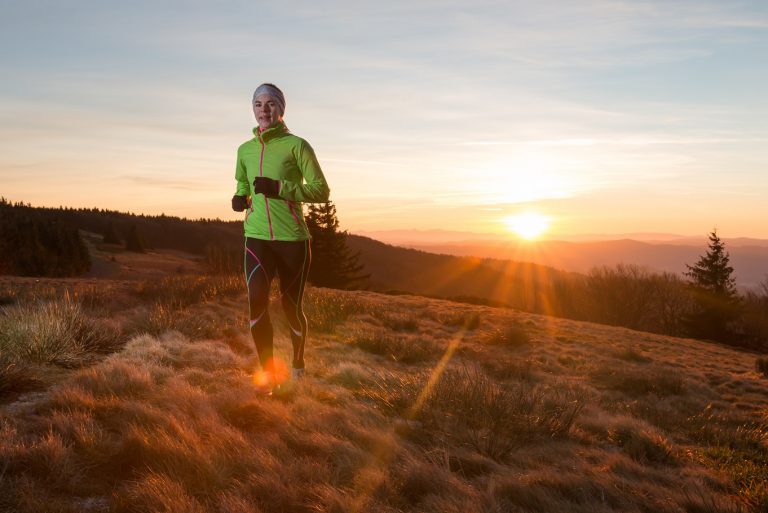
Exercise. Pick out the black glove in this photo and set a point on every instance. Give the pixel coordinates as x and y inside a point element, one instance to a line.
<point>239,203</point>
<point>266,186</point>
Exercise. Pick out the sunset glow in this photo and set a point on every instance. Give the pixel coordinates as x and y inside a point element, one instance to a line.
<point>607,121</point>
<point>528,225</point>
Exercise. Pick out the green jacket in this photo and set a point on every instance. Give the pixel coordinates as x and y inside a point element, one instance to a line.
<point>280,155</point>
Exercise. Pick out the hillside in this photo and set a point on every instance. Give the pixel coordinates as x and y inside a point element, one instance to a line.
<point>390,267</point>
<point>146,403</point>
<point>513,283</point>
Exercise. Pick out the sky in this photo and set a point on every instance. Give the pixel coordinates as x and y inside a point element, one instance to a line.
<point>606,117</point>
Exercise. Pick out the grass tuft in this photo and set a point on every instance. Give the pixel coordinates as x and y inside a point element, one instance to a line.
<point>631,354</point>
<point>637,382</point>
<point>511,336</point>
<point>400,348</point>
<point>177,292</point>
<point>467,407</point>
<point>55,332</point>
<point>17,378</point>
<point>642,447</point>
<point>326,309</point>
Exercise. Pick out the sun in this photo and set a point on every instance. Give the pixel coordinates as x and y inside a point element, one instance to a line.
<point>528,225</point>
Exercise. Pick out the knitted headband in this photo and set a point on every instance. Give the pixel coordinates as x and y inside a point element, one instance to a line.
<point>272,91</point>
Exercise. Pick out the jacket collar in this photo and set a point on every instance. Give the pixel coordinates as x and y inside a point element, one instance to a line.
<point>272,132</point>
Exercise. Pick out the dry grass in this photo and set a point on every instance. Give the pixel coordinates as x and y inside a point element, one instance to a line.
<point>761,366</point>
<point>54,332</point>
<point>411,405</point>
<point>396,346</point>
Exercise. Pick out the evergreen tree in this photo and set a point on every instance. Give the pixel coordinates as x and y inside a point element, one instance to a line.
<point>134,241</point>
<point>712,273</point>
<point>110,235</point>
<point>714,287</point>
<point>334,265</point>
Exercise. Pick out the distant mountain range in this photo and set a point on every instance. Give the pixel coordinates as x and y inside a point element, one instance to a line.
<point>658,252</point>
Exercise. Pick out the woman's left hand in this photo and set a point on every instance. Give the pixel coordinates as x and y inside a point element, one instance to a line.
<point>266,186</point>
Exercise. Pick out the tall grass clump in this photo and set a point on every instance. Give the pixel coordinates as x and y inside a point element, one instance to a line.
<point>16,378</point>
<point>639,382</point>
<point>737,448</point>
<point>396,347</point>
<point>466,408</point>
<point>160,318</point>
<point>326,308</point>
<point>495,418</point>
<point>182,291</point>
<point>511,336</point>
<point>397,321</point>
<point>464,320</point>
<point>55,332</point>
<point>642,447</point>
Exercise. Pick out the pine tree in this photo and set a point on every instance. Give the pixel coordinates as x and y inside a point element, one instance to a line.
<point>712,272</point>
<point>334,265</point>
<point>110,235</point>
<point>134,241</point>
<point>714,287</point>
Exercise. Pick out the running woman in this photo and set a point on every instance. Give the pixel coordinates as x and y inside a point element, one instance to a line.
<point>276,172</point>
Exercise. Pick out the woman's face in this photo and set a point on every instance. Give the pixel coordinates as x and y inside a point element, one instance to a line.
<point>267,111</point>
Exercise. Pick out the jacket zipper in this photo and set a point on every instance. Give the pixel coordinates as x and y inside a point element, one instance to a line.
<point>266,201</point>
<point>293,213</point>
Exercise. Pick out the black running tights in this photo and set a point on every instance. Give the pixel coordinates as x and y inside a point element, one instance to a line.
<point>290,261</point>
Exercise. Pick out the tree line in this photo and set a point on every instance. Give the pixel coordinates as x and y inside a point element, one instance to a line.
<point>45,241</point>
<point>35,243</point>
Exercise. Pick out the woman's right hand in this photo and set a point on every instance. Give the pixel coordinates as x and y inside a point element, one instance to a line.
<point>239,203</point>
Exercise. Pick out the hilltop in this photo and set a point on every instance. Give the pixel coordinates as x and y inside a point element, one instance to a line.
<point>412,404</point>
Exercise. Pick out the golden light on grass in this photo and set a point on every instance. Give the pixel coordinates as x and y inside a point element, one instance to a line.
<point>528,225</point>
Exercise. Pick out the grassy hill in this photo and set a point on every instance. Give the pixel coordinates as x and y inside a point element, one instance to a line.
<point>119,395</point>
<point>519,284</point>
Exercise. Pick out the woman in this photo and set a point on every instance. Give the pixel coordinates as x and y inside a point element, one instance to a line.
<point>276,172</point>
